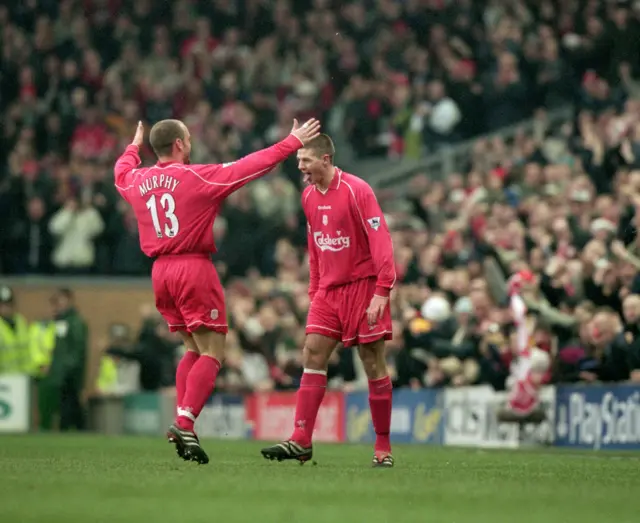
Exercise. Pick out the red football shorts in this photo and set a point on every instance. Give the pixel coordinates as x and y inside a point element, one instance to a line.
<point>341,313</point>
<point>189,293</point>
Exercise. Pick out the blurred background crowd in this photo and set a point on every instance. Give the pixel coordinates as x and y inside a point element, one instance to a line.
<point>394,80</point>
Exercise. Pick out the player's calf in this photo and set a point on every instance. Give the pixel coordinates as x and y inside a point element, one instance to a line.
<point>380,394</point>
<point>201,378</point>
<point>313,385</point>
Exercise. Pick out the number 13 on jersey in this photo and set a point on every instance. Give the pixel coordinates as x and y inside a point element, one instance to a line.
<point>168,204</point>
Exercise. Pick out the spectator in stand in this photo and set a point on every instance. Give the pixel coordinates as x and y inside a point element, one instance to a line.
<point>436,73</point>
<point>631,309</point>
<point>75,227</point>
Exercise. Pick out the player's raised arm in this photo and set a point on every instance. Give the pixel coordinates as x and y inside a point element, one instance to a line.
<point>380,243</point>
<point>230,177</point>
<point>128,162</point>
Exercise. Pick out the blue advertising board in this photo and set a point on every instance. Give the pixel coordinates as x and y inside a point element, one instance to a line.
<point>416,417</point>
<point>594,417</point>
<point>223,416</point>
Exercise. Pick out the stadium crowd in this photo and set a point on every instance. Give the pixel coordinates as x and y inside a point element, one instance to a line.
<point>75,77</point>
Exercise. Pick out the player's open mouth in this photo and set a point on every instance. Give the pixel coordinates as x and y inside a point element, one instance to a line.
<point>306,178</point>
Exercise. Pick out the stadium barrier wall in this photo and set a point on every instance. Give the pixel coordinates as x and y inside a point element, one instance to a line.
<point>471,419</point>
<point>101,301</point>
<point>15,403</point>
<point>417,417</point>
<point>587,417</point>
<point>224,416</point>
<point>106,415</point>
<point>582,417</point>
<point>270,416</point>
<point>598,418</point>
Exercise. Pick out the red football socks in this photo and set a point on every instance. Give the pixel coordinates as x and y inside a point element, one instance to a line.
<point>200,384</point>
<point>184,367</point>
<point>380,401</point>
<point>308,399</point>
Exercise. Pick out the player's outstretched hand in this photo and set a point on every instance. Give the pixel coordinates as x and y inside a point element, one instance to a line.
<point>376,309</point>
<point>307,131</point>
<point>139,137</point>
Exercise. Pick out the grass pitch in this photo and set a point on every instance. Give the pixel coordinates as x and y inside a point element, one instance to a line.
<point>94,479</point>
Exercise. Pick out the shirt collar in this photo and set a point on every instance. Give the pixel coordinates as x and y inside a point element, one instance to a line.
<point>337,178</point>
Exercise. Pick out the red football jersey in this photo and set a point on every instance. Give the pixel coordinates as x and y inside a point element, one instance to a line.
<point>348,236</point>
<point>176,204</point>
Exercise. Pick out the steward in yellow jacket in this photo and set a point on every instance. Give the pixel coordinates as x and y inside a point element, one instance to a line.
<point>15,348</point>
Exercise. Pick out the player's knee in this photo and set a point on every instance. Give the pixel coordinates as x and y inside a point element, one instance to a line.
<point>313,358</point>
<point>189,342</point>
<point>373,359</point>
<point>370,363</point>
<point>217,354</point>
<point>210,343</point>
<point>317,351</point>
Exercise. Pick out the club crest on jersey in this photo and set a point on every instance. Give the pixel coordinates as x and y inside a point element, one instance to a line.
<point>374,222</point>
<point>325,219</point>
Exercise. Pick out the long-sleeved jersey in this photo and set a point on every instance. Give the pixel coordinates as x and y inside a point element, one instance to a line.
<point>348,236</point>
<point>176,204</point>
